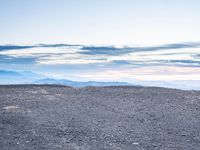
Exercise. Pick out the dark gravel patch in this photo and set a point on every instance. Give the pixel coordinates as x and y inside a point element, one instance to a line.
<point>98,118</point>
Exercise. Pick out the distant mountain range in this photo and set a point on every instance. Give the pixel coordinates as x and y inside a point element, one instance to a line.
<point>77,83</point>
<point>21,77</point>
<point>28,77</point>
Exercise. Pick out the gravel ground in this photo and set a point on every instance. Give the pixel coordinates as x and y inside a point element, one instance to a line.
<point>98,118</point>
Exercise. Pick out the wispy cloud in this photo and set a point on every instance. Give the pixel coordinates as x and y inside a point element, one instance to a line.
<point>16,47</point>
<point>77,54</point>
<point>13,47</point>
<point>111,50</point>
<point>93,58</point>
<point>103,50</point>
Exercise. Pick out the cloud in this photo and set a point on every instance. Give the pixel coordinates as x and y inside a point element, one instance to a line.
<point>111,50</point>
<point>103,50</point>
<point>81,62</point>
<point>197,56</point>
<point>145,73</point>
<point>66,54</point>
<point>17,47</point>
<point>9,60</point>
<point>13,47</point>
<point>185,62</point>
<point>170,46</point>
<point>57,45</point>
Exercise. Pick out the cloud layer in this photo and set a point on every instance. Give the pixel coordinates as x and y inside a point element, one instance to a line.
<point>88,60</point>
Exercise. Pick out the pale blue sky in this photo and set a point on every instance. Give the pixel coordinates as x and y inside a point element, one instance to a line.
<point>119,22</point>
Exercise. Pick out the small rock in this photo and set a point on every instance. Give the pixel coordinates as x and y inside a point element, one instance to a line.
<point>136,143</point>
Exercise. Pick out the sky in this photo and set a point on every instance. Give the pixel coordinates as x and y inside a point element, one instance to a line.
<point>114,22</point>
<point>106,40</point>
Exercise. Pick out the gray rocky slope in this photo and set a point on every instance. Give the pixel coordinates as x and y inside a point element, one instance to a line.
<point>98,118</point>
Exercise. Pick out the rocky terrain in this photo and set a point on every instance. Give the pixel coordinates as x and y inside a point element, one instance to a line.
<point>45,117</point>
